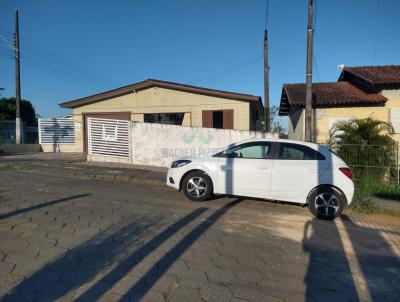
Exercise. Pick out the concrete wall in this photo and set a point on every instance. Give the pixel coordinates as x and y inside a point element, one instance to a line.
<point>61,147</point>
<point>159,145</point>
<point>22,148</point>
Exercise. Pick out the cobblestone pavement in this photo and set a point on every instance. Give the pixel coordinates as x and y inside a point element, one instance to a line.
<point>67,238</point>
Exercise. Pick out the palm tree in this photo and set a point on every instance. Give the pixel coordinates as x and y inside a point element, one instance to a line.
<point>366,145</point>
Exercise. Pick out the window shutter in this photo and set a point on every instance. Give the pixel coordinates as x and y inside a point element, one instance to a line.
<point>228,119</point>
<point>395,119</point>
<point>207,118</point>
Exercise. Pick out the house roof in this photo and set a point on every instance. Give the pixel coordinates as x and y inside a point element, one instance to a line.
<point>333,94</point>
<point>377,76</point>
<point>157,83</point>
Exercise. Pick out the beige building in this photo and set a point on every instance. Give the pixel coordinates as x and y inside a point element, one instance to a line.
<point>154,101</point>
<point>360,92</point>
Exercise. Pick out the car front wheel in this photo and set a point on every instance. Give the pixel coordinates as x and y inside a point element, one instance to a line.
<point>197,186</point>
<point>326,202</point>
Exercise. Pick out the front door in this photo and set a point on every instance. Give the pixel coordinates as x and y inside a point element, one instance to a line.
<point>245,170</point>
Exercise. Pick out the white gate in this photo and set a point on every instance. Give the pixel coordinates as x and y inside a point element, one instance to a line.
<point>108,137</point>
<point>56,131</point>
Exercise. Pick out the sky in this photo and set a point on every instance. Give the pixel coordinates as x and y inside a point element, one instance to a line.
<point>74,48</point>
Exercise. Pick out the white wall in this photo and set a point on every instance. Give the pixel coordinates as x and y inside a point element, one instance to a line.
<point>159,145</point>
<point>296,123</point>
<point>57,147</point>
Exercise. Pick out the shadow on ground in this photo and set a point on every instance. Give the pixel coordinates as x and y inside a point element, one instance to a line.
<point>329,276</point>
<point>40,206</point>
<point>90,262</point>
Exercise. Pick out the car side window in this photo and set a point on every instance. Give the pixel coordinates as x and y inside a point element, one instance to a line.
<point>259,150</point>
<point>298,152</point>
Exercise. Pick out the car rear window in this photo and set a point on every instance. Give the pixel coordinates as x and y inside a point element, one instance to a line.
<point>298,152</point>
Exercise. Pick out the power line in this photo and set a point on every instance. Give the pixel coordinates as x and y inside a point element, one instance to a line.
<point>43,67</point>
<point>376,30</point>
<point>43,60</point>
<point>67,63</point>
<point>315,15</point>
<point>53,60</point>
<point>48,64</point>
<point>326,48</point>
<point>266,14</point>
<point>227,71</point>
<point>318,74</point>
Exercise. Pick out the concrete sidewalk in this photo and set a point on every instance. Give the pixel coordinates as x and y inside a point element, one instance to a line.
<point>388,204</point>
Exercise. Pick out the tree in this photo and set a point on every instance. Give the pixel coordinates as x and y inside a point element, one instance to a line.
<point>364,143</point>
<point>276,123</point>
<point>8,111</point>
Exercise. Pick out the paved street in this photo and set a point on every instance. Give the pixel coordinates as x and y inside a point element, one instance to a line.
<point>67,235</point>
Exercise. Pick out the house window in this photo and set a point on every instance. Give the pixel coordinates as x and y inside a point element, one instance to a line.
<point>395,119</point>
<point>164,118</point>
<point>220,119</point>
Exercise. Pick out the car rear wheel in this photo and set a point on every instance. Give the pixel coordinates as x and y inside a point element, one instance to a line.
<point>197,186</point>
<point>326,202</point>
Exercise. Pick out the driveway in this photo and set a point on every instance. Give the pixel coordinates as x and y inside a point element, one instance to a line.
<point>66,235</point>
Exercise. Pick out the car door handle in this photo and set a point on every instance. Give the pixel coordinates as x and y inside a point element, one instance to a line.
<point>264,168</point>
<point>313,170</point>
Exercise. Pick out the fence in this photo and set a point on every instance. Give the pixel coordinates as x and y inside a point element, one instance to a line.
<point>371,164</point>
<point>7,133</point>
<point>54,132</point>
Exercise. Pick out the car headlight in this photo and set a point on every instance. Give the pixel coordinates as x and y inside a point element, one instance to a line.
<point>180,163</point>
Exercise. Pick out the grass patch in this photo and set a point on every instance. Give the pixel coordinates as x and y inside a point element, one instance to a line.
<point>363,203</point>
<point>375,187</point>
<point>387,191</point>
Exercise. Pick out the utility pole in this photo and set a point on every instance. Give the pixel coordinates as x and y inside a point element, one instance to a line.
<point>308,135</point>
<point>17,83</point>
<point>266,84</point>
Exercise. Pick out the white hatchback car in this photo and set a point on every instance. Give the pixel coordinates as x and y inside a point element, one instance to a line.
<point>274,169</point>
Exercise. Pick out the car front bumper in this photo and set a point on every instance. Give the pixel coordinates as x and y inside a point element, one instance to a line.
<point>173,178</point>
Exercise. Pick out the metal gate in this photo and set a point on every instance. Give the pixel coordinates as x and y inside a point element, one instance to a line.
<point>56,131</point>
<point>108,137</point>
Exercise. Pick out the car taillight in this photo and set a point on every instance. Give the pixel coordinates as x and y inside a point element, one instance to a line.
<point>347,172</point>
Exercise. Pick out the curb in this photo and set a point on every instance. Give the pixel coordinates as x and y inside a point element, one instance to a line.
<point>128,179</point>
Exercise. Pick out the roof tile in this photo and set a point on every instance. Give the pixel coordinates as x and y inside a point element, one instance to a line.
<point>388,75</point>
<point>328,94</point>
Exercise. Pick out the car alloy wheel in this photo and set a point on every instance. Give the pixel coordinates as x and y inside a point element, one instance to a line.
<point>196,187</point>
<point>326,204</point>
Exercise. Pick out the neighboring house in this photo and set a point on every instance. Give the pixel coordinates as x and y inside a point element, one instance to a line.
<point>154,101</point>
<point>360,92</point>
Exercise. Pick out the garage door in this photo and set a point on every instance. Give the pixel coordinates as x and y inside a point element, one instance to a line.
<point>108,137</point>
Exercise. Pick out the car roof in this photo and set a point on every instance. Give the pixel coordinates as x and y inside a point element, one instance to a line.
<point>278,140</point>
<point>314,146</point>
